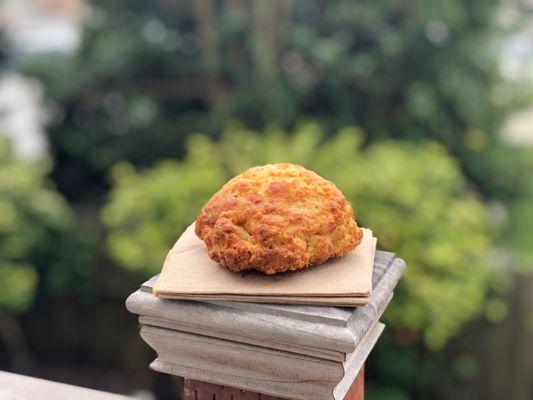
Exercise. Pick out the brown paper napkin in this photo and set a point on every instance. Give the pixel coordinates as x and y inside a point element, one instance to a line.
<point>189,273</point>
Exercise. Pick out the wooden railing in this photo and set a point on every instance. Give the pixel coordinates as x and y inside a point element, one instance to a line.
<point>20,387</point>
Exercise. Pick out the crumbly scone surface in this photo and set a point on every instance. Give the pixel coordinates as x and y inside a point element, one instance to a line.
<point>275,218</point>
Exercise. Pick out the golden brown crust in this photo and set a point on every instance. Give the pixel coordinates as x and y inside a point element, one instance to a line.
<point>277,218</point>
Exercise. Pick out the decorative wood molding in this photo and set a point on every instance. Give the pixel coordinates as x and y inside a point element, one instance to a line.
<point>287,351</point>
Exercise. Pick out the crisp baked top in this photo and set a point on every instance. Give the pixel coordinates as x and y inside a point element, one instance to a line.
<point>275,218</point>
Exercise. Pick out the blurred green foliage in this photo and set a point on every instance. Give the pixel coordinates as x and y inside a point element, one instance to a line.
<point>39,246</point>
<point>28,211</point>
<point>149,73</point>
<point>518,235</point>
<point>146,211</point>
<point>412,195</point>
<point>421,80</point>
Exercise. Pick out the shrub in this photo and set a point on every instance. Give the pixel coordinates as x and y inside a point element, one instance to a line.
<point>32,217</point>
<point>147,74</point>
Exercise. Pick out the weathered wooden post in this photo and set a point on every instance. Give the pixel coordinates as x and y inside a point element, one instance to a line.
<point>231,350</point>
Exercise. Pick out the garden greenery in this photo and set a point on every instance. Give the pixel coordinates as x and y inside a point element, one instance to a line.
<point>148,73</point>
<point>32,216</point>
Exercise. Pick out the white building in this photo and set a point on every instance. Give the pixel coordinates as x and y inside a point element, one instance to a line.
<point>33,27</point>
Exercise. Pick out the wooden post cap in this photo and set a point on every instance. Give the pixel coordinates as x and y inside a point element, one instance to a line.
<point>285,351</point>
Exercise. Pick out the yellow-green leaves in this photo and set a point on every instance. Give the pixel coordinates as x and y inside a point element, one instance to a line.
<point>31,213</point>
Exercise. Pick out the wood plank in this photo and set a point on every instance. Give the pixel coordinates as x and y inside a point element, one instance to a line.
<point>248,327</point>
<point>334,331</point>
<point>20,387</point>
<point>239,359</point>
<point>300,348</point>
<point>248,367</point>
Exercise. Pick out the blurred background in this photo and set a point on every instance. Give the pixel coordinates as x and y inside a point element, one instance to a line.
<point>119,119</point>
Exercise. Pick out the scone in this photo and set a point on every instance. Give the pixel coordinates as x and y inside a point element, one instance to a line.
<point>276,218</point>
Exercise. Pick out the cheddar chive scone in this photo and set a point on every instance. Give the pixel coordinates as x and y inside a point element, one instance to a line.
<point>276,218</point>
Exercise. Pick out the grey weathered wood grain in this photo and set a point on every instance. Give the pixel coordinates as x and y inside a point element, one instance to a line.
<point>332,329</point>
<point>300,349</point>
<point>216,320</point>
<point>382,260</point>
<point>362,317</point>
<point>356,360</point>
<point>238,358</point>
<point>250,367</point>
<point>20,387</point>
<point>290,351</point>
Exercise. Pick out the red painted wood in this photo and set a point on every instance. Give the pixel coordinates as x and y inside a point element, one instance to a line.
<point>357,390</point>
<point>197,390</point>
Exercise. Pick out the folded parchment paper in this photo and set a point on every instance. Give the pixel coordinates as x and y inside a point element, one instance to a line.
<point>189,273</point>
